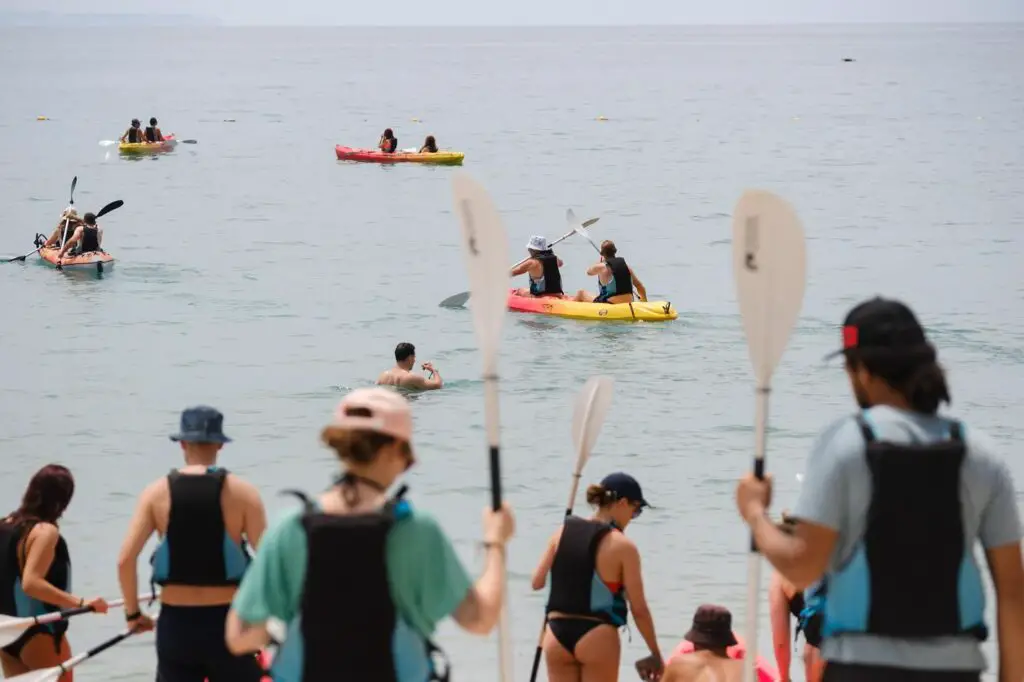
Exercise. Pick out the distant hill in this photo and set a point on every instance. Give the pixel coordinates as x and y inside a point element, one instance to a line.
<point>55,20</point>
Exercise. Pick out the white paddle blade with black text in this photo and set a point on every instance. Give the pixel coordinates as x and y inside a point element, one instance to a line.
<point>770,264</point>
<point>485,248</point>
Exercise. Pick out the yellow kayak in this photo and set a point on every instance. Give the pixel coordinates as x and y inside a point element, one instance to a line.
<point>637,311</point>
<point>167,145</point>
<point>440,158</point>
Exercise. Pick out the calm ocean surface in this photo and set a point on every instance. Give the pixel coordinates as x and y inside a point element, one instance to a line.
<point>258,274</point>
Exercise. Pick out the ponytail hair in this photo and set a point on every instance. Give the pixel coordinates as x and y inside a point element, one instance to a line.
<point>599,496</point>
<point>914,372</point>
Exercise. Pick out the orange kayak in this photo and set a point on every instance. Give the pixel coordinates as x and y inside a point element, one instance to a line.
<point>96,261</point>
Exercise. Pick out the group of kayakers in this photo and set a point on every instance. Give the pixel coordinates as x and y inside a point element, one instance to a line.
<point>75,235</point>
<point>388,143</point>
<point>136,134</point>
<point>875,561</point>
<point>615,279</point>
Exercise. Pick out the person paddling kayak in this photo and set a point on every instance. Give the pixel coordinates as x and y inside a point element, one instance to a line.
<point>363,578</point>
<point>595,570</point>
<point>786,602</point>
<point>388,143</point>
<point>543,269</point>
<point>152,132</point>
<point>893,501</point>
<point>615,279</point>
<point>134,134</point>
<point>66,226</point>
<point>88,237</point>
<point>205,518</point>
<point>429,145</point>
<point>401,374</point>
<point>711,635</point>
<point>35,573</point>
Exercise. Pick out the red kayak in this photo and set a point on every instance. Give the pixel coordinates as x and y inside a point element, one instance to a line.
<point>442,157</point>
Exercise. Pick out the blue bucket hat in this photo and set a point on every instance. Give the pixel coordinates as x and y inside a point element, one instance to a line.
<point>201,424</point>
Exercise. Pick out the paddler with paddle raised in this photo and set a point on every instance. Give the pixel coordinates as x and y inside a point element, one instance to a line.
<point>361,577</point>
<point>66,226</point>
<point>595,571</point>
<point>543,268</point>
<point>205,518</point>
<point>35,574</point>
<point>894,499</point>
<point>615,279</point>
<point>87,237</point>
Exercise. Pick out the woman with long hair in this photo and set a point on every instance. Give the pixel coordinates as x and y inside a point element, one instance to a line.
<point>35,573</point>
<point>595,570</point>
<point>360,576</point>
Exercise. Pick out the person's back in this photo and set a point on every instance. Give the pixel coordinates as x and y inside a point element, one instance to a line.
<point>153,133</point>
<point>402,376</point>
<point>703,666</point>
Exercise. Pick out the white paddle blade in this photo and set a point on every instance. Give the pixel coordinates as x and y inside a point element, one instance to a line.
<point>485,247</point>
<point>769,262</point>
<point>588,416</point>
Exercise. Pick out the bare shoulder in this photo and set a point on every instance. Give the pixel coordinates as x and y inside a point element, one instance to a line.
<point>43,532</point>
<point>240,487</point>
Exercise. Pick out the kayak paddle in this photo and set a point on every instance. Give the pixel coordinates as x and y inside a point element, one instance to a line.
<point>570,218</point>
<point>11,628</point>
<point>769,263</point>
<point>74,183</point>
<point>587,418</point>
<point>459,300</point>
<point>485,247</point>
<point>54,674</point>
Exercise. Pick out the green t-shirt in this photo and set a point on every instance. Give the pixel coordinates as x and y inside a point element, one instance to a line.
<point>427,579</point>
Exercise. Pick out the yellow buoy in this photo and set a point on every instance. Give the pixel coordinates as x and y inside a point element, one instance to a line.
<point>601,118</point>
<point>415,120</point>
<point>42,118</point>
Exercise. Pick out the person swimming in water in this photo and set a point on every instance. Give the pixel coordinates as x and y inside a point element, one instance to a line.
<point>615,279</point>
<point>543,269</point>
<point>134,134</point>
<point>402,375</point>
<point>388,142</point>
<point>429,145</point>
<point>152,133</point>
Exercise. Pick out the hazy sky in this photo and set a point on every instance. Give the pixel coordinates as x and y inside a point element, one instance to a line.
<point>541,12</point>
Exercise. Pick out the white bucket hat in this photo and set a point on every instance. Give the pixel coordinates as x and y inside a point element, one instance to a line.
<point>538,243</point>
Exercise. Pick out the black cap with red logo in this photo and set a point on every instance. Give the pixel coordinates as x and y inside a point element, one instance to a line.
<point>881,323</point>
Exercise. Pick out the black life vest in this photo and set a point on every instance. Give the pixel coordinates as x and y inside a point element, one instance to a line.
<point>920,575</point>
<point>574,573</point>
<point>347,617</point>
<point>13,600</point>
<point>620,275</point>
<point>90,239</point>
<point>151,134</point>
<point>552,275</point>
<point>393,144</point>
<point>134,135</point>
<point>197,549</point>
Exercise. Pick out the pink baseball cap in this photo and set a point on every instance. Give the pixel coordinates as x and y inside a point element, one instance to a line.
<point>389,413</point>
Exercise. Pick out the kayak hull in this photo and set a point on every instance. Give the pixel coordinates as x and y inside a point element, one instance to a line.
<point>95,261</point>
<point>442,158</point>
<point>167,145</point>
<point>638,311</point>
<point>766,672</point>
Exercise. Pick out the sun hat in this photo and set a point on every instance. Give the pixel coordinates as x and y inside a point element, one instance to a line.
<point>390,413</point>
<point>711,628</point>
<point>538,243</point>
<point>201,424</point>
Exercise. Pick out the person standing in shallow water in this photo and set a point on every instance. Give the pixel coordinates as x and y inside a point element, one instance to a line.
<point>711,635</point>
<point>401,374</point>
<point>206,518</point>
<point>361,577</point>
<point>785,604</point>
<point>893,501</point>
<point>595,570</point>
<point>35,574</point>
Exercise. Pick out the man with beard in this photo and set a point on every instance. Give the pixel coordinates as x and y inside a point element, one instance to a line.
<point>893,501</point>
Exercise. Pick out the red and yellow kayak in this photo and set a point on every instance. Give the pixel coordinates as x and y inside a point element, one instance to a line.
<point>96,261</point>
<point>637,311</point>
<point>167,145</point>
<point>440,158</point>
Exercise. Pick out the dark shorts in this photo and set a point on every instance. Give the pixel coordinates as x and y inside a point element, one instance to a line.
<point>190,647</point>
<point>14,648</point>
<point>848,672</point>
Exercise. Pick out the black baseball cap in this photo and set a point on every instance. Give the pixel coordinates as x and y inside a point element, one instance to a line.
<point>625,487</point>
<point>880,323</point>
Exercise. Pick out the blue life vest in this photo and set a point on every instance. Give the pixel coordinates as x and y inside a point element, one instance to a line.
<point>576,588</point>
<point>912,575</point>
<point>197,550</point>
<point>347,619</point>
<point>812,615</point>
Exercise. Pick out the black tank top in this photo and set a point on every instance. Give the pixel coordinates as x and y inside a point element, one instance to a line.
<point>134,135</point>
<point>150,134</point>
<point>90,239</point>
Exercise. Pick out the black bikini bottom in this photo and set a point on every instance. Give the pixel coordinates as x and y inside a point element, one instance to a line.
<point>569,631</point>
<point>15,647</point>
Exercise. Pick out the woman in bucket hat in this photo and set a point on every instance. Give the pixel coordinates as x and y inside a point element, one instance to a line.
<point>543,268</point>
<point>360,577</point>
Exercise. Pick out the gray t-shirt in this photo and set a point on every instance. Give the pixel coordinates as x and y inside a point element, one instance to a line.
<point>836,493</point>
